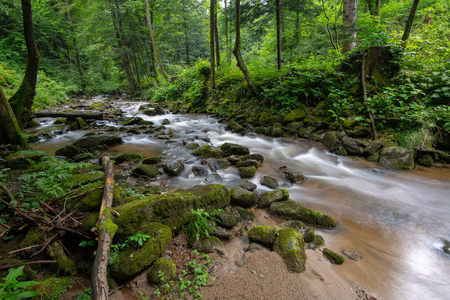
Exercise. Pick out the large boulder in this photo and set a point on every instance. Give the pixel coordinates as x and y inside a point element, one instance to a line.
<point>171,209</point>
<point>68,151</point>
<point>242,197</point>
<point>234,149</point>
<point>270,182</point>
<point>297,114</point>
<point>331,141</point>
<point>397,158</point>
<point>164,266</point>
<point>92,141</point>
<point>293,210</point>
<point>273,196</point>
<point>234,126</point>
<point>291,247</point>
<point>150,171</point>
<point>373,147</point>
<point>263,235</point>
<point>353,147</point>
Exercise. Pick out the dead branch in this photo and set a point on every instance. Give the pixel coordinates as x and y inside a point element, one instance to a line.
<point>18,264</point>
<point>45,246</point>
<point>24,249</point>
<point>8,192</point>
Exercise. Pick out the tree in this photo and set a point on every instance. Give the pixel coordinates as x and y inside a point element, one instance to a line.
<point>22,101</point>
<point>9,128</point>
<point>237,51</point>
<point>211,41</point>
<point>350,11</point>
<point>410,21</point>
<point>277,2</point>
<point>74,39</point>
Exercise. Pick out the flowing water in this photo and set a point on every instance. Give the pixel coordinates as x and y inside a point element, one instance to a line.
<point>397,221</point>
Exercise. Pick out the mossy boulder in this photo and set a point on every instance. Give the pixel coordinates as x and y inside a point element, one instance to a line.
<point>51,288</point>
<point>152,160</point>
<point>296,225</point>
<point>264,118</point>
<point>295,115</point>
<point>247,172</point>
<point>397,158</point>
<point>353,146</point>
<point>60,121</point>
<point>83,156</point>
<point>126,157</point>
<point>236,127</point>
<point>68,151</point>
<point>205,245</point>
<point>318,241</point>
<point>276,130</point>
<point>164,266</point>
<point>269,182</point>
<point>294,177</point>
<point>248,163</point>
<point>242,197</point>
<point>293,210</point>
<point>267,198</point>
<point>174,168</point>
<point>92,199</point>
<point>331,141</point>
<point>21,159</point>
<point>373,147</point>
<point>245,215</point>
<point>200,171</point>
<point>349,124</point>
<point>206,151</point>
<point>165,122</point>
<point>253,156</point>
<point>81,122</point>
<point>217,164</point>
<point>149,112</point>
<point>263,235</point>
<point>426,160</point>
<point>333,257</point>
<point>291,247</point>
<point>147,171</point>
<point>172,209</point>
<point>134,259</point>
<point>310,235</point>
<point>92,141</point>
<point>227,219</point>
<point>234,149</point>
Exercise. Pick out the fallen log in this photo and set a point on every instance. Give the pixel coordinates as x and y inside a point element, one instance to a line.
<point>106,229</point>
<point>70,115</point>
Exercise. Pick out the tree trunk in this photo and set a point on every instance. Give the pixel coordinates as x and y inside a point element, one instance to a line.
<point>68,56</point>
<point>363,83</point>
<point>227,40</point>
<point>211,42</point>
<point>297,29</point>
<point>410,21</point>
<point>9,129</point>
<point>106,229</point>
<point>328,25</point>
<point>349,30</point>
<point>378,8</point>
<point>216,35</point>
<point>22,101</point>
<point>69,16</point>
<point>237,51</point>
<point>277,4</point>
<point>186,39</point>
<point>155,50</point>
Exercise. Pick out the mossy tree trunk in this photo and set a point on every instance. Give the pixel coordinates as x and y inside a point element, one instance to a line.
<point>9,129</point>
<point>22,101</point>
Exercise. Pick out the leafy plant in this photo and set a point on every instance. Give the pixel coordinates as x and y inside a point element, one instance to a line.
<point>201,223</point>
<point>12,288</point>
<point>139,239</point>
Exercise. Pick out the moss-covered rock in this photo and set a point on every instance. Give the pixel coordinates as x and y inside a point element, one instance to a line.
<point>92,141</point>
<point>228,219</point>
<point>217,164</point>
<point>68,151</point>
<point>83,156</point>
<point>264,118</point>
<point>60,121</point>
<point>310,235</point>
<point>35,236</point>
<point>234,149</point>
<point>200,171</point>
<point>206,151</point>
<point>247,172</point>
<point>147,171</point>
<point>152,160</point>
<point>165,122</point>
<point>236,127</point>
<point>373,147</point>
<point>291,246</point>
<point>21,159</point>
<point>134,259</point>
<point>374,157</point>
<point>64,263</point>
<point>242,197</point>
<point>349,124</point>
<point>263,235</point>
<point>293,210</point>
<point>294,177</point>
<point>353,146</point>
<point>253,156</point>
<point>92,199</point>
<point>164,266</point>
<point>248,163</point>
<point>331,141</point>
<point>397,158</point>
<point>426,160</point>
<point>333,257</point>
<point>81,122</point>
<point>295,115</point>
<point>125,157</point>
<point>270,182</point>
<point>172,209</point>
<point>245,215</point>
<point>318,241</point>
<point>205,245</point>
<point>51,288</point>
<point>296,225</point>
<point>267,198</point>
<point>174,168</point>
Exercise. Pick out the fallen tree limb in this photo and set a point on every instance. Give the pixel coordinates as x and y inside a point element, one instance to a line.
<point>54,114</point>
<point>8,192</point>
<point>106,229</point>
<point>18,264</point>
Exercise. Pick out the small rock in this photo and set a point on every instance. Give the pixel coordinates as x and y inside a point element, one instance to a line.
<point>270,182</point>
<point>351,254</point>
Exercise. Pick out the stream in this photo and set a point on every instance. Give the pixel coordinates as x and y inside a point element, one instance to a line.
<point>397,221</point>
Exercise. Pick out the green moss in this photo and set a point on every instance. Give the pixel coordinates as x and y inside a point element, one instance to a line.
<point>52,288</point>
<point>263,235</point>
<point>60,121</point>
<point>291,246</point>
<point>203,151</point>
<point>123,157</point>
<point>35,236</point>
<point>247,172</point>
<point>333,257</point>
<point>93,199</point>
<point>21,159</point>
<point>166,267</point>
<point>245,215</point>
<point>264,118</point>
<point>295,115</point>
<point>89,222</point>
<point>108,224</point>
<point>309,235</point>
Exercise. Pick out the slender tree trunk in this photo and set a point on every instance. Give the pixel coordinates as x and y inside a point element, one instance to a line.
<point>227,40</point>
<point>155,50</point>
<point>136,69</point>
<point>410,21</point>
<point>9,129</point>
<point>363,83</point>
<point>237,51</point>
<point>186,28</point>
<point>68,55</point>
<point>336,15</point>
<point>349,31</point>
<point>211,42</point>
<point>378,8</point>
<point>277,4</point>
<point>216,36</point>
<point>152,60</point>
<point>328,25</point>
<point>69,16</point>
<point>297,29</point>
<point>22,101</point>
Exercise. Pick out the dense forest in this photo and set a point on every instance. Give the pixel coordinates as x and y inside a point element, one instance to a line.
<point>366,78</point>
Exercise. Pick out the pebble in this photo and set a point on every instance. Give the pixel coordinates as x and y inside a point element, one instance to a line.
<point>351,254</point>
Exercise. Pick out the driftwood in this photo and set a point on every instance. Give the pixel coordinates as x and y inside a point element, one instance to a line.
<point>69,115</point>
<point>363,83</point>
<point>106,229</point>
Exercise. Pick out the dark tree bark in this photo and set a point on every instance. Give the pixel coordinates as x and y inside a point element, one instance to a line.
<point>155,50</point>
<point>277,4</point>
<point>68,56</point>
<point>211,42</point>
<point>9,129</point>
<point>297,29</point>
<point>227,40</point>
<point>22,101</point>
<point>378,8</point>
<point>77,53</point>
<point>216,36</point>
<point>349,19</point>
<point>186,39</point>
<point>410,21</point>
<point>328,26</point>
<point>237,51</point>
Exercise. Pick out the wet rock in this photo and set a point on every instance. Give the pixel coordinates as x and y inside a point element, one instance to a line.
<point>206,151</point>
<point>174,168</point>
<point>426,160</point>
<point>125,157</point>
<point>397,158</point>
<point>83,157</point>
<point>68,151</point>
<point>149,112</point>
<point>255,247</point>
<point>276,130</point>
<point>192,146</point>
<point>446,248</point>
<point>199,171</point>
<point>353,147</point>
<point>228,219</point>
<point>81,122</point>
<point>318,241</point>
<point>147,170</point>
<point>333,257</point>
<point>294,177</point>
<point>241,197</point>
<point>295,115</point>
<point>310,235</point>
<point>217,164</point>
<point>234,149</point>
<point>234,126</point>
<point>221,233</point>
<point>273,196</point>
<point>33,123</point>
<point>206,245</point>
<point>270,182</point>
<point>249,186</point>
<point>374,157</point>
<point>92,141</point>
<point>374,147</point>
<point>351,254</point>
<point>263,235</point>
<point>134,121</point>
<point>331,141</point>
<point>293,210</point>
<point>159,110</point>
<point>291,247</point>
<point>144,123</point>
<point>164,266</point>
<point>214,177</point>
<point>165,122</point>
<point>245,215</point>
<point>60,121</point>
<point>359,132</point>
<point>247,172</point>
<point>296,225</point>
<point>248,163</point>
<point>152,160</point>
<point>133,131</point>
<point>254,156</point>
